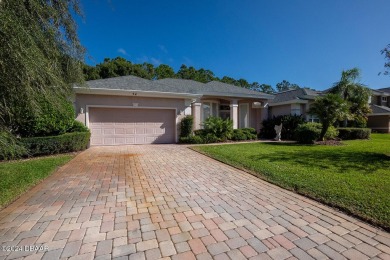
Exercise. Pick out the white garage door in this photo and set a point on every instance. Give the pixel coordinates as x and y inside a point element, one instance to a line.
<point>116,126</point>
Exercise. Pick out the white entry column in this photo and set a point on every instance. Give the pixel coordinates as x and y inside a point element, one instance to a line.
<point>196,113</point>
<point>234,112</point>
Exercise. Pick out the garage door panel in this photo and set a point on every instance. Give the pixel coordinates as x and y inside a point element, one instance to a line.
<point>120,131</point>
<point>97,140</point>
<point>108,141</point>
<point>115,126</point>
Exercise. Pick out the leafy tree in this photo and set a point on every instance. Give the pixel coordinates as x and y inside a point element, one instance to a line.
<point>40,55</point>
<point>267,89</point>
<point>204,75</point>
<point>243,83</point>
<point>355,93</point>
<point>186,72</point>
<point>149,68</point>
<point>91,72</point>
<point>164,71</point>
<point>229,80</point>
<point>386,52</point>
<point>329,109</point>
<point>139,71</point>
<point>285,85</point>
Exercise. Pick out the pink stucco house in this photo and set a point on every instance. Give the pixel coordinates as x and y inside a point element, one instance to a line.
<point>132,110</point>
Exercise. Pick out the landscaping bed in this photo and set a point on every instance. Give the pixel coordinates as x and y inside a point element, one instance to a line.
<point>16,177</point>
<point>354,177</point>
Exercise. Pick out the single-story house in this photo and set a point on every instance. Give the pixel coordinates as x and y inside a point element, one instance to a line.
<point>133,110</point>
<point>293,102</point>
<point>298,102</point>
<point>379,119</point>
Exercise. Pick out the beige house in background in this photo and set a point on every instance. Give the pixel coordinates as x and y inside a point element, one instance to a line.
<point>379,119</point>
<point>297,102</point>
<point>132,110</point>
<point>293,102</point>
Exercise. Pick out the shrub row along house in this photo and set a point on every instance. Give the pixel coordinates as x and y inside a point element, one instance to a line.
<point>132,110</point>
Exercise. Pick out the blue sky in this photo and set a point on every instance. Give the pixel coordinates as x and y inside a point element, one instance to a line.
<point>307,42</point>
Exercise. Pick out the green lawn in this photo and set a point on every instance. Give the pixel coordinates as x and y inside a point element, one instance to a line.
<point>16,177</point>
<point>354,177</point>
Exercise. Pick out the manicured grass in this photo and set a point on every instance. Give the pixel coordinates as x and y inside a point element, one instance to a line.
<point>16,177</point>
<point>354,177</point>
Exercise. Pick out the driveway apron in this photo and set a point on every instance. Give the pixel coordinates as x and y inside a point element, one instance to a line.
<point>157,201</point>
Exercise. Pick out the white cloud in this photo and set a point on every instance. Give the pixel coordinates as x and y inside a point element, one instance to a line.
<point>187,61</point>
<point>155,61</point>
<point>122,51</point>
<point>151,60</point>
<point>162,48</point>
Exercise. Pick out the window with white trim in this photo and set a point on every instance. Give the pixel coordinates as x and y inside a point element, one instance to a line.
<point>312,118</point>
<point>384,99</point>
<point>243,113</point>
<point>209,108</point>
<point>296,109</point>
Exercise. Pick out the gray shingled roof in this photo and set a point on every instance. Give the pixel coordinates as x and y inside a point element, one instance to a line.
<point>174,86</point>
<point>379,109</point>
<point>129,83</point>
<point>216,87</point>
<point>183,85</point>
<point>387,90</point>
<point>295,94</point>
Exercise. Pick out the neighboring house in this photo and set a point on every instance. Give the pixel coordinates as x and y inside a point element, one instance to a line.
<point>132,110</point>
<point>293,102</point>
<point>298,102</point>
<point>379,119</point>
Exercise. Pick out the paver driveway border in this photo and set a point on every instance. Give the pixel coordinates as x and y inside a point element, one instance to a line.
<point>156,201</point>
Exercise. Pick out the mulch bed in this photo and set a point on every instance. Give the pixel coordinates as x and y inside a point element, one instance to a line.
<point>329,142</point>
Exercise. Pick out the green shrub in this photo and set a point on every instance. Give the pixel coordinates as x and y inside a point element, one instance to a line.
<point>244,134</point>
<point>251,133</point>
<point>10,147</point>
<point>52,120</point>
<point>221,129</point>
<point>354,133</point>
<point>186,126</point>
<point>200,132</point>
<point>308,133</point>
<point>77,127</point>
<point>290,123</point>
<point>69,142</point>
<point>239,135</point>
<point>192,139</point>
<point>211,138</point>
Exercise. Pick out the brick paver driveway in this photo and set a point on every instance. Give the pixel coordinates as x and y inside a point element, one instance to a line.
<point>168,201</point>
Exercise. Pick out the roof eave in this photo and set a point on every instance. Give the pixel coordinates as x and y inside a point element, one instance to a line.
<point>380,114</point>
<point>289,102</point>
<point>129,92</point>
<point>219,94</point>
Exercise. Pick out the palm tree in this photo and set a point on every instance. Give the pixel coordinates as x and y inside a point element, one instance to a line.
<point>328,109</point>
<point>355,93</point>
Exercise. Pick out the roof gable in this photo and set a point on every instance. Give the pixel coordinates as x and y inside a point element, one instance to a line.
<point>169,85</point>
<point>295,94</point>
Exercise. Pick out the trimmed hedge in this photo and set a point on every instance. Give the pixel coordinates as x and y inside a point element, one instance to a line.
<point>186,126</point>
<point>192,139</point>
<point>308,133</point>
<point>244,134</point>
<point>78,127</point>
<point>350,133</point>
<point>10,147</point>
<point>69,142</point>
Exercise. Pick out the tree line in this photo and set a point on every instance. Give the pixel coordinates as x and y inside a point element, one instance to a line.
<point>119,66</point>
